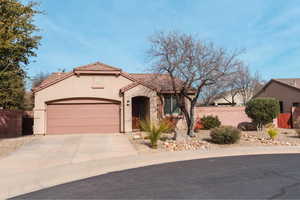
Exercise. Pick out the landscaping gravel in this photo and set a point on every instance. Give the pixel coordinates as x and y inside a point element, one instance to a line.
<point>286,137</point>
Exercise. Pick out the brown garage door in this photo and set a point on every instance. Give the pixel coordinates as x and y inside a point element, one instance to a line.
<point>83,118</point>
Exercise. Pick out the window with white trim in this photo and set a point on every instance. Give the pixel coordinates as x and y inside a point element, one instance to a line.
<point>171,105</point>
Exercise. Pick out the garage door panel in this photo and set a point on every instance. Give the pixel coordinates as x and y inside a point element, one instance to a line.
<point>67,123</point>
<point>84,129</point>
<point>83,118</point>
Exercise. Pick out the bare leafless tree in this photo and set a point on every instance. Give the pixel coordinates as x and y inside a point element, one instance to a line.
<point>196,63</point>
<point>38,79</point>
<point>247,84</point>
<point>210,93</point>
<point>230,89</point>
<point>223,89</point>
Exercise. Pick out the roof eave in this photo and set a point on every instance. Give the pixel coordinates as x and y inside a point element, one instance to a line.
<point>274,80</point>
<point>172,92</point>
<point>39,88</point>
<point>108,72</point>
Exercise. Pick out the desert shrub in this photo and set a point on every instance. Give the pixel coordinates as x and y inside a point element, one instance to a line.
<point>272,132</point>
<point>298,132</point>
<point>154,131</point>
<point>262,110</point>
<point>225,135</point>
<point>210,122</point>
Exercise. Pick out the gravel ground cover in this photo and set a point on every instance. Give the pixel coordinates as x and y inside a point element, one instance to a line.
<point>286,137</point>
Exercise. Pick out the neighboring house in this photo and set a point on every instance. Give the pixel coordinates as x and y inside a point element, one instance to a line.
<point>287,91</point>
<point>228,99</point>
<point>98,98</point>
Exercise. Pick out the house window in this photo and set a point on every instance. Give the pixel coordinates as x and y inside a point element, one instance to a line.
<point>171,105</point>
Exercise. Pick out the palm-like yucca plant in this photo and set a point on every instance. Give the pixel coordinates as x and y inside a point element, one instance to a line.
<point>154,131</point>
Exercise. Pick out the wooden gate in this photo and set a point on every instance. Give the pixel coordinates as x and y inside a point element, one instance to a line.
<point>284,120</point>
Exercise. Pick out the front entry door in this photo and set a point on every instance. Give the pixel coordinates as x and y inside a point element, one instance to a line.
<point>140,107</point>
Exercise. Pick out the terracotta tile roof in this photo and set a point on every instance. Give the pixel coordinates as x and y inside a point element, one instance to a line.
<point>160,81</point>
<point>97,66</point>
<point>128,87</point>
<point>53,78</point>
<point>294,82</point>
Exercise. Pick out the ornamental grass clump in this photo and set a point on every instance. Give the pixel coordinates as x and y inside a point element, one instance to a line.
<point>272,132</point>
<point>154,131</point>
<point>225,135</point>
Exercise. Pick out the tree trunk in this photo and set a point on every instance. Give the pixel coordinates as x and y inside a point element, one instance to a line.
<point>190,130</point>
<point>190,122</point>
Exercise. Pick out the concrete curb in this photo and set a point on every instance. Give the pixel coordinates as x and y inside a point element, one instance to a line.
<point>26,182</point>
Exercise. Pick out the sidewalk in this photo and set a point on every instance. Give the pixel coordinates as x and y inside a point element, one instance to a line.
<point>24,182</point>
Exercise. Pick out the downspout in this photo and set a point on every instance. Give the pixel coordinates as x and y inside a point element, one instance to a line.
<point>123,102</point>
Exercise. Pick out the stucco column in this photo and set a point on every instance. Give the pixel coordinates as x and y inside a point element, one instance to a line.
<point>39,121</point>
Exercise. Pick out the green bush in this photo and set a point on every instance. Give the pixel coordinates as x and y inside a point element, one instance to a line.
<point>225,135</point>
<point>154,131</point>
<point>210,122</point>
<point>272,132</point>
<point>262,110</point>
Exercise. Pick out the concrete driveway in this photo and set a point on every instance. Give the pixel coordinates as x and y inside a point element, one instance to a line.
<point>53,150</point>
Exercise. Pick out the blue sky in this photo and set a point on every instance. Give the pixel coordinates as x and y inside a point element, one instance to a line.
<point>116,32</point>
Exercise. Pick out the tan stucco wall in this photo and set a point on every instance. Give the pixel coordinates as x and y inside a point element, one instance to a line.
<point>139,91</point>
<point>283,93</point>
<point>82,86</point>
<point>77,86</point>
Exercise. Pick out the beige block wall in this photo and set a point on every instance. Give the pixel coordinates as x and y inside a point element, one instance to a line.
<point>77,86</point>
<point>231,116</point>
<point>283,93</point>
<point>139,91</point>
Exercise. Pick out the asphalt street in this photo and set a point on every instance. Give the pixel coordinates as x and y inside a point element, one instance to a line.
<point>239,177</point>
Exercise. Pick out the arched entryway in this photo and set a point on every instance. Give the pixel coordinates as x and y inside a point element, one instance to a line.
<point>140,111</point>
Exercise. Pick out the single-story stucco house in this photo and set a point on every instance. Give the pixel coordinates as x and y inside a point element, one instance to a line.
<point>98,98</point>
<point>287,91</point>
